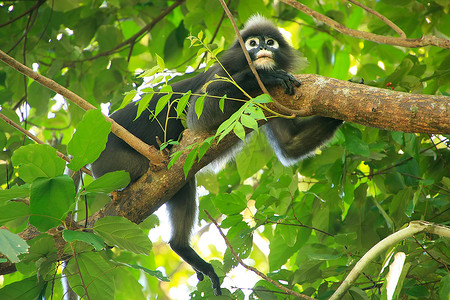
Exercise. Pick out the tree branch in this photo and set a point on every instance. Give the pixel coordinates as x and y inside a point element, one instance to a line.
<point>425,40</point>
<point>318,96</point>
<point>369,106</point>
<point>381,17</point>
<point>148,151</point>
<point>37,140</point>
<point>413,228</point>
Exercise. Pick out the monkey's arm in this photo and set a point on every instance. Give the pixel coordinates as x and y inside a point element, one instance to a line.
<point>294,139</point>
<point>212,115</point>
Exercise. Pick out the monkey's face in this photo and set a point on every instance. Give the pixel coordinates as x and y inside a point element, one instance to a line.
<point>262,50</point>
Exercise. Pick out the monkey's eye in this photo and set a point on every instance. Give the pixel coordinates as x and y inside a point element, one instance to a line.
<point>272,43</point>
<point>251,43</point>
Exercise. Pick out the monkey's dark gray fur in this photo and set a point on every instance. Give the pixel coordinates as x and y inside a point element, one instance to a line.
<point>291,139</point>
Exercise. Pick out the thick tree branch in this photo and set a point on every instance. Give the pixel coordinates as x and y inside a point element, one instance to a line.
<point>318,95</point>
<point>370,106</point>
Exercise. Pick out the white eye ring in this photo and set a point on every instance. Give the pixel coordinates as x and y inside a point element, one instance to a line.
<point>272,43</point>
<point>251,43</point>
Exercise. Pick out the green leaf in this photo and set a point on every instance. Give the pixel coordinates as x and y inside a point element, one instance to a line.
<point>254,156</point>
<point>222,102</point>
<point>12,211</point>
<point>190,160</point>
<point>320,252</point>
<point>263,98</point>
<point>11,245</point>
<point>129,96</point>
<point>108,36</point>
<point>182,102</point>
<point>50,200</point>
<point>239,131</point>
<point>87,237</point>
<point>162,102</point>
<point>174,157</point>
<point>35,161</point>
<point>199,103</point>
<point>353,142</point>
<point>89,140</point>
<point>15,192</point>
<point>156,273</point>
<point>28,288</point>
<point>160,62</point>
<point>207,143</point>
<point>92,271</point>
<point>124,234</point>
<point>143,103</point>
<point>230,204</point>
<point>150,72</point>
<point>444,288</point>
<point>42,254</point>
<point>109,182</point>
<point>249,122</point>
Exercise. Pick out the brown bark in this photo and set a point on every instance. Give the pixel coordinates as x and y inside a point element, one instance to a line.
<point>370,106</point>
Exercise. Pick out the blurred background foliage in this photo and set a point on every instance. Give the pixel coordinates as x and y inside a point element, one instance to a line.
<point>305,225</point>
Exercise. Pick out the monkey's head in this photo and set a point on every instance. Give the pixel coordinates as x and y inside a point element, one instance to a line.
<point>266,45</point>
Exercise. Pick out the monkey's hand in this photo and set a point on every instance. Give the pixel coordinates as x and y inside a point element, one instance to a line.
<point>280,77</point>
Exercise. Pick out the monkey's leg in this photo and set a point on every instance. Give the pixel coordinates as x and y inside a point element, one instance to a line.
<point>293,139</point>
<point>182,208</point>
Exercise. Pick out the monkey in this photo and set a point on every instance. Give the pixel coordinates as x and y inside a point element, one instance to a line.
<point>291,139</point>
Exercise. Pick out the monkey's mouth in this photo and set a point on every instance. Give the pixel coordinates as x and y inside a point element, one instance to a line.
<point>264,60</point>
<point>264,56</point>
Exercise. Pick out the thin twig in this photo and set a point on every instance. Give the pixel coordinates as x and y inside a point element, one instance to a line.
<point>381,17</point>
<point>39,3</point>
<point>37,140</point>
<point>283,108</point>
<point>136,36</point>
<point>253,269</point>
<point>429,254</point>
<point>425,40</point>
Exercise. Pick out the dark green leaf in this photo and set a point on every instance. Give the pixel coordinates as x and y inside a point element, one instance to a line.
<point>28,288</point>
<point>93,271</point>
<point>109,182</point>
<point>124,234</point>
<point>50,200</point>
<point>87,237</point>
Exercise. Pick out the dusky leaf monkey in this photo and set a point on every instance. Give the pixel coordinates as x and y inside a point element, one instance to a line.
<point>291,139</point>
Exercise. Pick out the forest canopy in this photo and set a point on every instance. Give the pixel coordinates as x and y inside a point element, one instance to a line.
<point>288,232</point>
